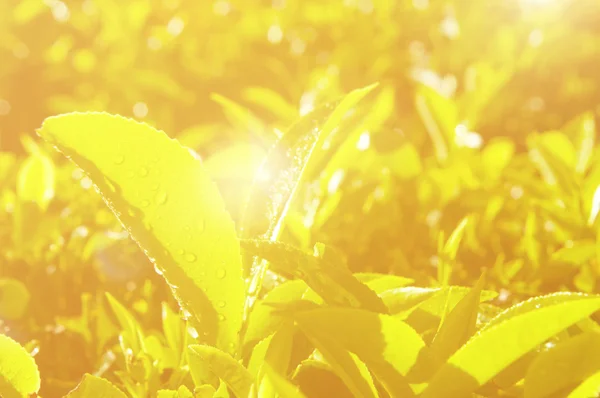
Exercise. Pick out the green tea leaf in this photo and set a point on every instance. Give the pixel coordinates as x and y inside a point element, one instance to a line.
<point>579,253</point>
<point>277,359</point>
<point>389,347</point>
<point>226,368</point>
<point>92,386</point>
<point>130,326</point>
<point>36,180</point>
<point>242,119</point>
<point>19,375</point>
<point>263,321</point>
<point>458,326</point>
<point>289,163</point>
<point>533,304</point>
<point>14,298</point>
<point>589,388</point>
<point>448,253</point>
<point>280,384</point>
<point>570,362</point>
<point>327,275</point>
<point>347,366</point>
<point>171,208</point>
<point>492,350</point>
<point>379,283</point>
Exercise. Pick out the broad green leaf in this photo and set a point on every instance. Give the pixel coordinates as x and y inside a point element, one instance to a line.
<point>225,367</point>
<point>570,362</point>
<point>14,298</point>
<point>533,304</point>
<point>326,274</point>
<point>389,347</point>
<point>130,326</point>
<point>458,326</point>
<point>92,386</point>
<point>170,207</point>
<point>492,350</point>
<point>403,301</point>
<point>281,385</point>
<point>589,388</point>
<point>19,375</point>
<point>36,180</point>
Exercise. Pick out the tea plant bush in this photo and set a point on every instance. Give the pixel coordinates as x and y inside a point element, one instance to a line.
<point>419,220</point>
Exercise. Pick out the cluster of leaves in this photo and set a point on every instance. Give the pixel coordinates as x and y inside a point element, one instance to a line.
<point>362,229</point>
<point>263,316</point>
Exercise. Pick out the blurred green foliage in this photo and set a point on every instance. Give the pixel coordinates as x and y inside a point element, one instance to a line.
<point>477,150</point>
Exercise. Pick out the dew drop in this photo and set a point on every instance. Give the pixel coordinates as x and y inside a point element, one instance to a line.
<point>119,159</point>
<point>221,317</point>
<point>157,269</point>
<point>180,251</point>
<point>161,198</point>
<point>155,187</point>
<point>190,257</point>
<point>143,172</point>
<point>221,273</point>
<point>221,304</point>
<point>145,203</point>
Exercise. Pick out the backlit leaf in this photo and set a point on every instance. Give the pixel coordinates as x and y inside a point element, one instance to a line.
<point>225,367</point>
<point>492,350</point>
<point>162,194</point>
<point>93,386</point>
<point>389,347</point>
<point>570,362</point>
<point>327,274</point>
<point>14,298</point>
<point>19,375</point>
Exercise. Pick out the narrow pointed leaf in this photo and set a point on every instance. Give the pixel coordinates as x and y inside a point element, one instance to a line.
<point>458,326</point>
<point>492,350</point>
<point>162,194</point>
<point>226,368</point>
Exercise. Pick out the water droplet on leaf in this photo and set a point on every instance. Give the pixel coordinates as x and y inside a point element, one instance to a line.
<point>221,304</point>
<point>143,172</point>
<point>221,273</point>
<point>119,159</point>
<point>161,198</point>
<point>190,257</point>
<point>145,203</point>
